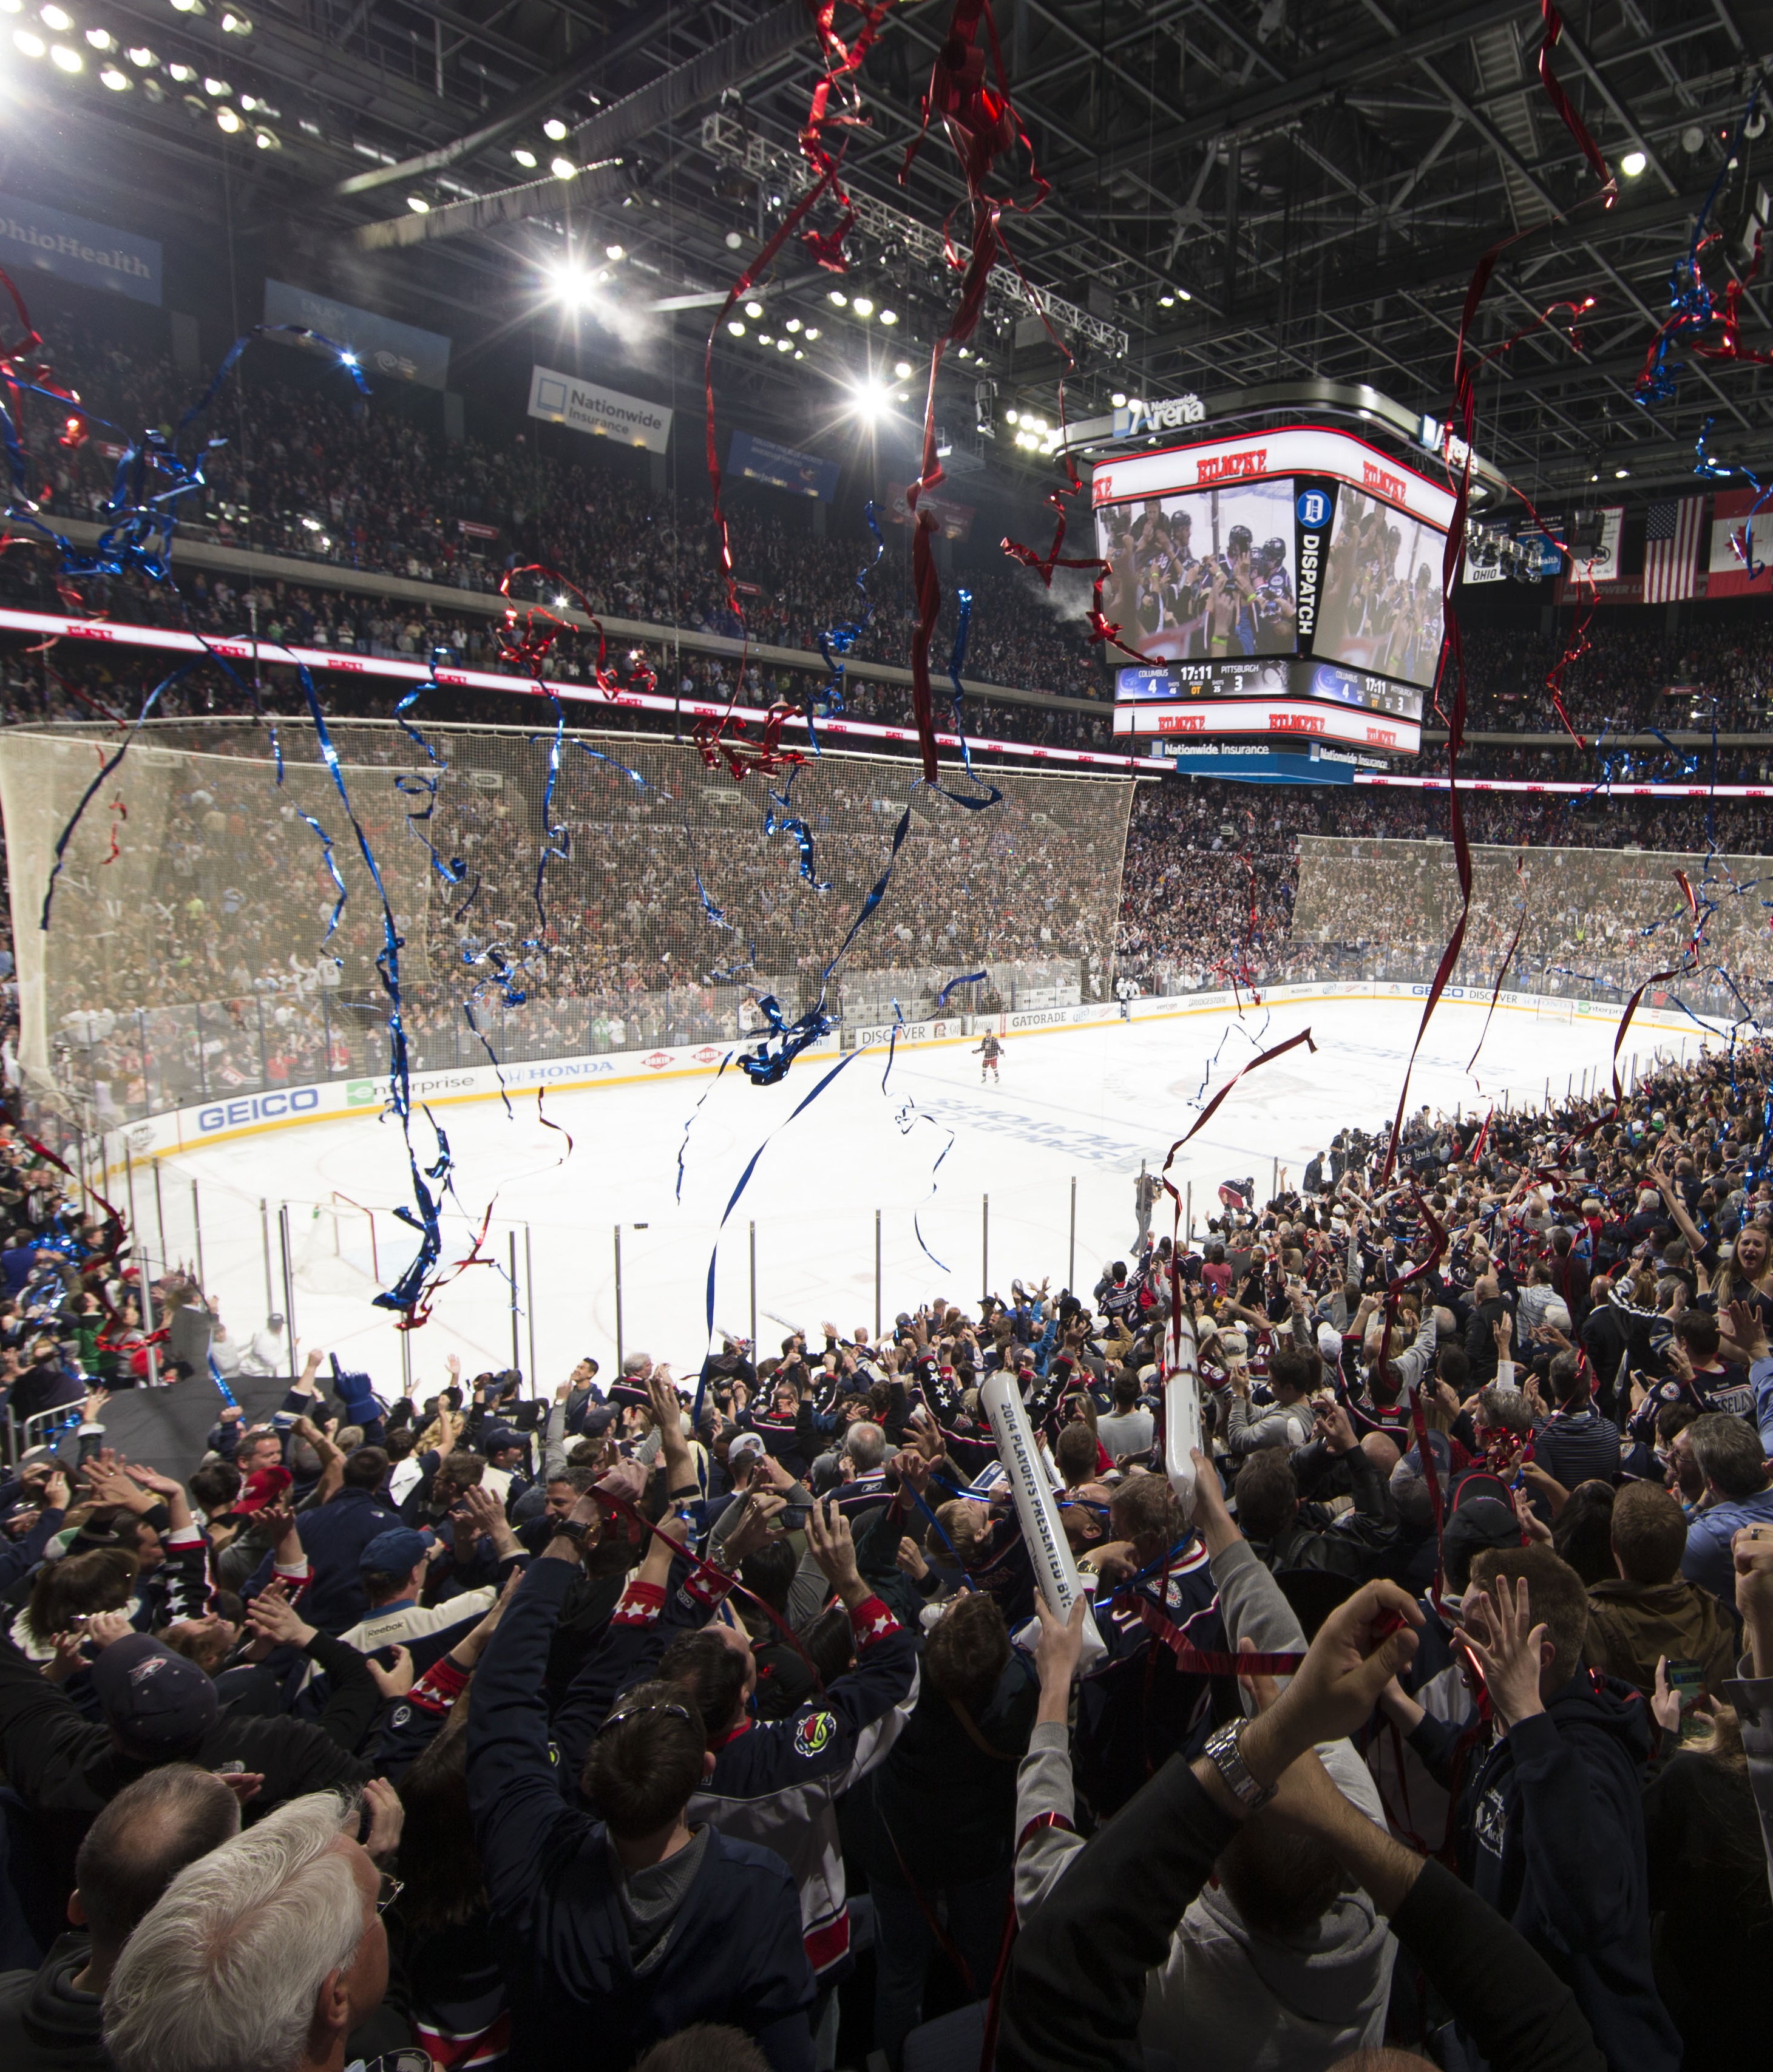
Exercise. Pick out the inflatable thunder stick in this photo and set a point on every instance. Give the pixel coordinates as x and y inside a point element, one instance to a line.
<point>1182,1414</point>
<point>1055,1570</point>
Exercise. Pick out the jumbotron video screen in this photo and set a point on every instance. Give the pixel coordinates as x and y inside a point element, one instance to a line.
<point>1286,582</point>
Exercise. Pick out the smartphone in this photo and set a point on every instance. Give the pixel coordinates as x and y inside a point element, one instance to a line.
<point>1687,1680</point>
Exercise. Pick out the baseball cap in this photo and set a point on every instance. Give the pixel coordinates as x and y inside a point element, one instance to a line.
<point>1329,1342</point>
<point>743,1447</point>
<point>264,1486</point>
<point>156,1703</point>
<point>1485,1521</point>
<point>497,1436</point>
<point>393,1553</point>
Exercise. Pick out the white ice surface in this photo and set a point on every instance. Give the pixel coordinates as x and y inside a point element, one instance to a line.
<point>1087,1104</point>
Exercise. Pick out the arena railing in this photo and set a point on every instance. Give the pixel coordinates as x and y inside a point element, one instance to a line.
<point>123,1067</point>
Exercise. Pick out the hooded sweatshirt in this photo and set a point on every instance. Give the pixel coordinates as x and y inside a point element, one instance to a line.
<point>47,2023</point>
<point>1229,1997</point>
<point>1551,1833</point>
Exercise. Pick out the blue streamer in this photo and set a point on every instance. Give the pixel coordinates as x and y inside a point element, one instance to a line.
<point>956,664</point>
<point>142,518</point>
<point>406,1293</point>
<point>837,642</point>
<point>1690,303</point>
<point>842,1065</point>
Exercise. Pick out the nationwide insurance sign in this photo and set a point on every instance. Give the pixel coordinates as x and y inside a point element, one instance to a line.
<point>74,247</point>
<point>582,406</point>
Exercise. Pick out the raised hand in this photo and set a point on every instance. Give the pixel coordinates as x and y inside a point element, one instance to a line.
<point>387,1815</point>
<point>271,1617</point>
<point>764,1507</point>
<point>1358,1649</point>
<point>831,1544</point>
<point>1506,1645</point>
<point>1060,1646</point>
<point>102,1628</point>
<point>395,1682</point>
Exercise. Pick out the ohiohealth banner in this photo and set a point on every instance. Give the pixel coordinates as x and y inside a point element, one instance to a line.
<point>563,399</point>
<point>398,352</point>
<point>75,248</point>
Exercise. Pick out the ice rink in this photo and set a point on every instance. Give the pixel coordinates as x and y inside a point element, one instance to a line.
<point>1082,1105</point>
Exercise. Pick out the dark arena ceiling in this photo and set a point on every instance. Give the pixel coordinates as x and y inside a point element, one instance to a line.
<point>1252,193</point>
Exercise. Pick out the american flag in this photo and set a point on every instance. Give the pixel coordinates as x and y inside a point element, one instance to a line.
<point>1671,550</point>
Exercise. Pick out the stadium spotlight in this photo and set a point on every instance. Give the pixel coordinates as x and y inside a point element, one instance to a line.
<point>57,19</point>
<point>562,169</point>
<point>869,399</point>
<point>1632,164</point>
<point>811,333</point>
<point>64,59</point>
<point>754,310</point>
<point>901,368</point>
<point>615,252</point>
<point>416,202</point>
<point>862,307</point>
<point>1118,399</point>
<point>554,129</point>
<point>524,156</point>
<point>839,297</point>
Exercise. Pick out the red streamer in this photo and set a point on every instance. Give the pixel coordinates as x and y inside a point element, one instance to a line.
<point>528,633</point>
<point>1560,100</point>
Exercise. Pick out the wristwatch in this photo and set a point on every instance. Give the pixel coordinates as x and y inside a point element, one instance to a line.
<point>574,1529</point>
<point>1222,1746</point>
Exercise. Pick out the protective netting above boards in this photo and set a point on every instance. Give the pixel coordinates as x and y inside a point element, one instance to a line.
<point>1596,921</point>
<point>188,951</point>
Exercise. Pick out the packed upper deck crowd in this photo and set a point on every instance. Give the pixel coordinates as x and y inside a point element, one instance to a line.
<point>720,1717</point>
<point>307,472</point>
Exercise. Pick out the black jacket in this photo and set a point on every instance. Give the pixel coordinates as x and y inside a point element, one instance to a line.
<point>58,1762</point>
<point>47,2023</point>
<point>1551,1833</point>
<point>558,1926</point>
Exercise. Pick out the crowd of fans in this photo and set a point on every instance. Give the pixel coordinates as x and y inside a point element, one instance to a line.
<point>311,472</point>
<point>724,1717</point>
<point>1225,882</point>
<point>667,908</point>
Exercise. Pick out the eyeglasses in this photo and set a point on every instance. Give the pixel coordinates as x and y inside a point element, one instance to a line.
<point>390,1889</point>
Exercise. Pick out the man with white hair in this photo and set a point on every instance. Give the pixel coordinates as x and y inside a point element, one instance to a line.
<point>262,1956</point>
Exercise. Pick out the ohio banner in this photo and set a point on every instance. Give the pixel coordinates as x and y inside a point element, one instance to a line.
<point>96,255</point>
